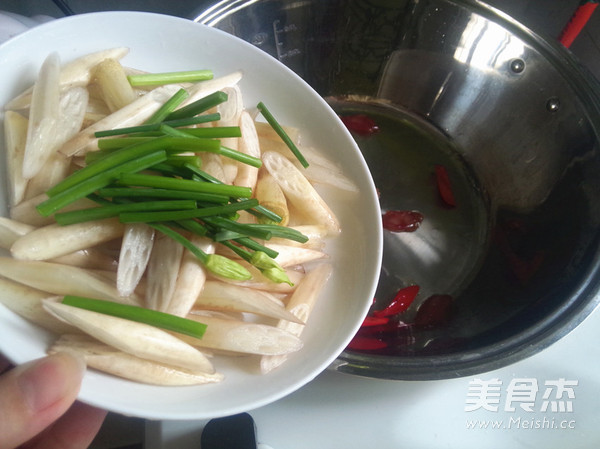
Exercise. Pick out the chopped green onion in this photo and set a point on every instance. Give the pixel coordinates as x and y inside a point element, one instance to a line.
<point>108,162</point>
<point>193,226</point>
<point>214,132</point>
<point>281,132</point>
<point>199,106</point>
<point>139,314</point>
<point>240,157</point>
<point>202,174</point>
<point>201,255</point>
<point>193,145</point>
<point>184,184</point>
<point>282,232</point>
<point>243,228</point>
<point>149,127</point>
<point>259,210</point>
<point>173,132</point>
<point>155,79</point>
<point>213,262</point>
<point>93,183</point>
<point>126,192</point>
<point>179,160</point>
<point>255,246</point>
<point>107,145</point>
<point>99,213</point>
<point>176,215</point>
<point>168,107</point>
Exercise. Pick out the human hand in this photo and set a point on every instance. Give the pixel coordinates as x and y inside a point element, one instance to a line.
<point>38,408</point>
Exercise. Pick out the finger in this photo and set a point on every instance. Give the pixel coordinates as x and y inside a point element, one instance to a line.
<point>34,395</point>
<point>4,364</point>
<point>76,429</point>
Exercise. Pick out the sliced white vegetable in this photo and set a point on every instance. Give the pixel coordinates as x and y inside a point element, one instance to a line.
<point>15,136</point>
<point>43,117</point>
<point>213,165</point>
<point>227,297</point>
<point>299,191</point>
<point>241,336</point>
<point>26,211</point>
<point>293,255</point>
<point>11,231</point>
<point>320,170</point>
<point>190,279</point>
<point>72,108</point>
<point>139,339</point>
<point>114,85</point>
<point>91,258</point>
<point>247,174</point>
<point>266,131</point>
<point>318,174</point>
<point>136,247</point>
<point>131,115</point>
<point>27,302</point>
<point>231,109</point>
<point>61,280</point>
<point>270,195</point>
<point>204,88</point>
<point>105,358</point>
<point>53,240</point>
<point>300,304</point>
<point>74,73</point>
<point>163,268</point>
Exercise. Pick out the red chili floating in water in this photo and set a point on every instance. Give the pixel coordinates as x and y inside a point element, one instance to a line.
<point>435,311</point>
<point>374,321</point>
<point>403,299</point>
<point>444,186</point>
<point>360,124</point>
<point>402,220</point>
<point>366,344</point>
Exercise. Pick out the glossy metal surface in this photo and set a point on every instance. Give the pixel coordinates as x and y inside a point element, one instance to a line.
<point>522,115</point>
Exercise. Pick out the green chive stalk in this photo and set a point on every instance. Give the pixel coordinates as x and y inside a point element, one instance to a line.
<point>199,106</point>
<point>219,265</point>
<point>139,314</point>
<point>157,79</point>
<point>113,210</point>
<point>93,183</point>
<point>271,120</point>
<point>162,182</point>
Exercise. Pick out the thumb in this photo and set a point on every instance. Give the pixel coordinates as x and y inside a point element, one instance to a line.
<point>34,395</point>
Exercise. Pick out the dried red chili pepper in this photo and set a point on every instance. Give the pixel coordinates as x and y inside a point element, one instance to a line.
<point>435,311</point>
<point>402,300</point>
<point>359,343</point>
<point>390,329</point>
<point>360,124</point>
<point>402,220</point>
<point>444,186</point>
<point>374,321</point>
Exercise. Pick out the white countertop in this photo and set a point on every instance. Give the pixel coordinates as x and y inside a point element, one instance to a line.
<point>341,411</point>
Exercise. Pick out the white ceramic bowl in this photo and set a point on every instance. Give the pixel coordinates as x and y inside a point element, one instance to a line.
<point>164,43</point>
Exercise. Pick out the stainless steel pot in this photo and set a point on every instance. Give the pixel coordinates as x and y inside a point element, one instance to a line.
<point>514,119</point>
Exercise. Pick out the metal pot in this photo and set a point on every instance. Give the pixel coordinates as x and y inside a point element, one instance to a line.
<point>515,121</point>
